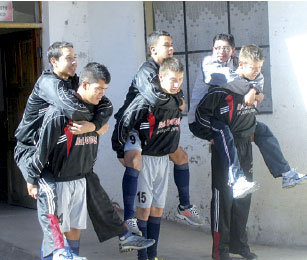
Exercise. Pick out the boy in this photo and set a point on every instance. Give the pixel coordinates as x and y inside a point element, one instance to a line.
<point>228,215</point>
<point>158,129</point>
<point>63,160</point>
<point>218,70</point>
<point>146,83</point>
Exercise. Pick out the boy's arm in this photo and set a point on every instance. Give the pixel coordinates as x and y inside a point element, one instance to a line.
<point>216,73</point>
<point>102,115</point>
<point>49,134</point>
<point>126,123</point>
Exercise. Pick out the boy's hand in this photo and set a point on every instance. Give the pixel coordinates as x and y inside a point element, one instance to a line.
<point>259,97</point>
<point>182,107</point>
<point>103,129</point>
<point>81,127</point>
<point>250,97</point>
<point>32,190</point>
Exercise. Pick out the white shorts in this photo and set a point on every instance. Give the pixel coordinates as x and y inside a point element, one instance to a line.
<point>133,142</point>
<point>153,182</point>
<point>72,208</point>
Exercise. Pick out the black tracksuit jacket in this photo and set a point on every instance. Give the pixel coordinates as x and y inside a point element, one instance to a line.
<point>145,83</point>
<point>159,128</point>
<point>227,107</point>
<point>50,89</point>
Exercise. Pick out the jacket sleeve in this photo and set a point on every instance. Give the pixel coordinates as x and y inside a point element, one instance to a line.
<point>126,123</point>
<point>103,113</point>
<point>147,83</point>
<point>216,74</point>
<point>204,112</point>
<point>49,134</point>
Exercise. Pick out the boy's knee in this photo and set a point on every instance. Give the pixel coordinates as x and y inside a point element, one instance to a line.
<point>156,212</point>
<point>179,157</point>
<point>142,213</point>
<point>133,159</point>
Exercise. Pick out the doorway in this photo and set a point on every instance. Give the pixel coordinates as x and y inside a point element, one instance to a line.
<point>20,67</point>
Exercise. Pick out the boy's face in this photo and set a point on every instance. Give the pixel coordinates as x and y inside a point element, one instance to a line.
<point>222,51</point>
<point>94,91</point>
<point>250,69</point>
<point>171,81</point>
<point>66,65</point>
<point>162,49</point>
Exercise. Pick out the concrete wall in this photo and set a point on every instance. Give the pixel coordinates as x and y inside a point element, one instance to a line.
<point>113,33</point>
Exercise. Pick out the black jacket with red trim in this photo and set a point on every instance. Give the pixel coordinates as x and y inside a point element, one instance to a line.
<point>67,156</point>
<point>146,82</point>
<point>50,89</point>
<point>227,107</point>
<point>159,129</point>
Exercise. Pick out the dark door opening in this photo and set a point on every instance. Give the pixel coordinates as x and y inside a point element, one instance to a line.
<point>20,67</point>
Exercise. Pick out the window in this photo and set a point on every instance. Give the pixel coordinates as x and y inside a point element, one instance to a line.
<point>194,24</point>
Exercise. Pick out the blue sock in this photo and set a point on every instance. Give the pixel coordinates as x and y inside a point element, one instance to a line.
<point>182,181</point>
<point>142,224</point>
<point>49,257</point>
<point>153,231</point>
<point>125,235</point>
<point>72,245</point>
<point>129,186</point>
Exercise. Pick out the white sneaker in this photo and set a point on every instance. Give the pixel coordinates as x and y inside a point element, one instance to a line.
<point>242,187</point>
<point>133,226</point>
<point>292,178</point>
<point>66,254</point>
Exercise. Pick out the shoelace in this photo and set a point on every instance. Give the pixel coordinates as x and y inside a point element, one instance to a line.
<point>132,223</point>
<point>193,210</point>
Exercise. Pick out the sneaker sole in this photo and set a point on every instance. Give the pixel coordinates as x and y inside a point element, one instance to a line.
<point>182,217</point>
<point>302,180</point>
<point>251,190</point>
<point>131,248</point>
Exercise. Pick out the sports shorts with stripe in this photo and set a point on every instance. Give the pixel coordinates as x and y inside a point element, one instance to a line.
<point>153,182</point>
<point>72,208</point>
<point>133,143</point>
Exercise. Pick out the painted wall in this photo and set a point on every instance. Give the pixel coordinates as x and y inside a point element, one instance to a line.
<point>113,34</point>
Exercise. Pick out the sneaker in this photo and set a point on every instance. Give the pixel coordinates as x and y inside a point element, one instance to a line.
<point>224,256</point>
<point>133,226</point>
<point>190,215</point>
<point>155,258</point>
<point>246,253</point>
<point>135,243</point>
<point>292,178</point>
<point>242,187</point>
<point>66,254</point>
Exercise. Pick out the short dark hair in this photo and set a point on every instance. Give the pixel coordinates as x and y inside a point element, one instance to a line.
<point>171,64</point>
<point>153,37</point>
<point>55,49</point>
<point>251,53</point>
<point>93,72</point>
<point>225,37</point>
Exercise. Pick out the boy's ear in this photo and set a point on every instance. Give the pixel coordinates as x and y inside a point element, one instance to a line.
<point>152,49</point>
<point>240,63</point>
<point>84,84</point>
<point>160,77</point>
<point>53,61</point>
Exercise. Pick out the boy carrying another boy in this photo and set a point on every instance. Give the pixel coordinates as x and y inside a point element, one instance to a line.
<point>228,215</point>
<point>159,133</point>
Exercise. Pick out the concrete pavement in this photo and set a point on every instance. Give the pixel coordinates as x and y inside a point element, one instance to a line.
<point>20,239</point>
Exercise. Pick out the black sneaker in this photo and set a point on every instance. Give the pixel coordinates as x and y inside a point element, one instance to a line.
<point>246,253</point>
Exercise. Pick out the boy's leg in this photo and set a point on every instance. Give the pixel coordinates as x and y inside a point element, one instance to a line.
<point>142,215</point>
<point>274,158</point>
<point>153,231</point>
<point>241,207</point>
<point>107,223</point>
<point>221,205</point>
<point>224,143</point>
<point>72,214</point>
<point>133,164</point>
<point>182,180</point>
<point>47,214</point>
